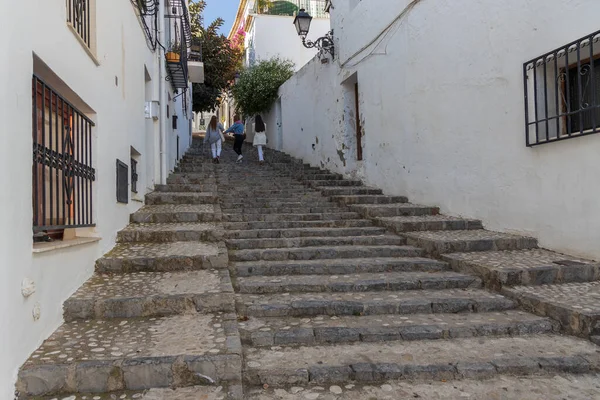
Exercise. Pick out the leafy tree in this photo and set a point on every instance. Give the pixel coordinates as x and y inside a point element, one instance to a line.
<point>257,88</point>
<point>221,59</point>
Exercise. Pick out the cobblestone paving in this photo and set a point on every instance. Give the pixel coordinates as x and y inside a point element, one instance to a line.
<point>151,337</point>
<point>153,250</point>
<point>569,387</point>
<point>154,283</point>
<point>516,258</point>
<point>186,393</point>
<point>171,227</point>
<point>581,297</point>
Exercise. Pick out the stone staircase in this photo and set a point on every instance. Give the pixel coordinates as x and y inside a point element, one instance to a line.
<point>340,291</point>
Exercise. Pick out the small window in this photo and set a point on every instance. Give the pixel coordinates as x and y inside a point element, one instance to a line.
<point>134,176</point>
<point>80,16</point>
<point>122,182</point>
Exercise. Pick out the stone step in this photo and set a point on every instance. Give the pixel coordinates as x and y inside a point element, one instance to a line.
<point>269,193</point>
<point>441,242</point>
<point>414,223</point>
<point>440,360</point>
<point>314,241</point>
<point>134,354</point>
<point>337,267</point>
<point>371,303</point>
<point>364,282</point>
<point>157,198</point>
<point>209,187</point>
<point>524,267</point>
<point>368,199</point>
<point>393,210</point>
<point>243,209</point>
<point>190,179</point>
<point>290,217</point>
<point>303,232</point>
<point>223,391</point>
<point>505,387</point>
<point>335,183</point>
<point>278,203</point>
<point>320,330</point>
<point>171,232</point>
<point>322,176</point>
<point>324,252</point>
<point>163,257</point>
<point>151,294</point>
<point>575,305</point>
<point>350,190</point>
<point>346,223</point>
<point>173,213</point>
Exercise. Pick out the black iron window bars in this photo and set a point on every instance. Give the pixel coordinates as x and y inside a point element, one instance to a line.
<point>63,175</point>
<point>562,92</point>
<point>78,15</point>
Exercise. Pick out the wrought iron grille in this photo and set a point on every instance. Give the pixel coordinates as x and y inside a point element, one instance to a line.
<point>62,162</point>
<point>122,182</point>
<point>78,15</point>
<point>562,92</point>
<point>134,176</point>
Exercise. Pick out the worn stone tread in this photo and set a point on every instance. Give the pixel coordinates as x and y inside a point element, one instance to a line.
<point>393,210</point>
<point>314,241</point>
<point>171,232</point>
<point>368,199</point>
<point>348,223</point>
<point>144,294</point>
<point>559,387</point>
<point>422,359</point>
<point>337,266</point>
<point>357,282</point>
<point>324,252</point>
<point>440,242</point>
<point>240,217</point>
<point>371,303</point>
<point>524,267</point>
<point>413,223</point>
<point>135,257</point>
<point>269,331</point>
<point>575,305</point>
<point>134,354</point>
<point>181,198</point>
<point>166,213</point>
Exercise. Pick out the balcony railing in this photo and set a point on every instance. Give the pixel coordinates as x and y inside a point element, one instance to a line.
<point>177,52</point>
<point>63,175</point>
<point>562,92</point>
<point>315,8</point>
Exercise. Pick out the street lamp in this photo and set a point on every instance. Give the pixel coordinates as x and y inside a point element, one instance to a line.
<point>324,44</point>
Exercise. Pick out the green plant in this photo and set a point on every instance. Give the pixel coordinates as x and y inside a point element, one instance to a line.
<point>256,90</point>
<point>175,47</point>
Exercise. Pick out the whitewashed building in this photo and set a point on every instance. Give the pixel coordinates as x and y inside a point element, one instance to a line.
<point>466,104</point>
<point>93,116</point>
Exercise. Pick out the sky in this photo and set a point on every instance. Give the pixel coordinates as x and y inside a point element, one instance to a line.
<point>225,9</point>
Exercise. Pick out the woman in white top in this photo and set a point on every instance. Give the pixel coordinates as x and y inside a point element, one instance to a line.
<point>260,137</point>
<point>214,138</point>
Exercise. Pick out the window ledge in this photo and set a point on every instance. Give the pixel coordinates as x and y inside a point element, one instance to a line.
<point>84,45</point>
<point>63,244</point>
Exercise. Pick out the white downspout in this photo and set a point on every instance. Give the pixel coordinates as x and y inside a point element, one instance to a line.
<point>162,96</point>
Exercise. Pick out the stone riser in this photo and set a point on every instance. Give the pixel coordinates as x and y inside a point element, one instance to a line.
<point>186,188</point>
<point>296,233</point>
<point>381,372</point>
<point>172,217</point>
<point>437,248</point>
<point>282,210</point>
<point>403,211</point>
<point>278,224</point>
<point>169,236</point>
<point>324,253</point>
<point>349,191</point>
<point>386,284</point>
<point>270,243</point>
<point>317,184</point>
<point>128,374</point>
<point>344,334</point>
<point>161,264</point>
<point>251,204</point>
<point>339,268</point>
<point>149,306</point>
<point>163,198</point>
<point>448,225</point>
<point>368,199</point>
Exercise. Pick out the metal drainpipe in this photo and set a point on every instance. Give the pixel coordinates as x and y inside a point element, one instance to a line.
<point>162,96</point>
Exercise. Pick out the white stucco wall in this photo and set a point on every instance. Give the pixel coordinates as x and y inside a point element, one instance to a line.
<point>120,124</point>
<point>276,36</point>
<point>442,110</point>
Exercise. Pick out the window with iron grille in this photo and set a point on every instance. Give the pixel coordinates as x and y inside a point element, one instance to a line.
<point>80,18</point>
<point>122,182</point>
<point>562,92</point>
<point>134,176</point>
<point>63,175</point>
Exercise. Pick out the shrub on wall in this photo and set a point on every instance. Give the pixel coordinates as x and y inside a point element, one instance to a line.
<point>257,87</point>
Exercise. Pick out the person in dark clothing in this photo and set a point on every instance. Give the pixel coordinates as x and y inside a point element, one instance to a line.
<point>238,133</point>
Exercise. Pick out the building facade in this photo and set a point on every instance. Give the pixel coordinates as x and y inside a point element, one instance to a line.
<point>467,106</point>
<point>94,115</point>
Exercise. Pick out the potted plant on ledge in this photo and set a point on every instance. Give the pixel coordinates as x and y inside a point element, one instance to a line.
<point>173,55</point>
